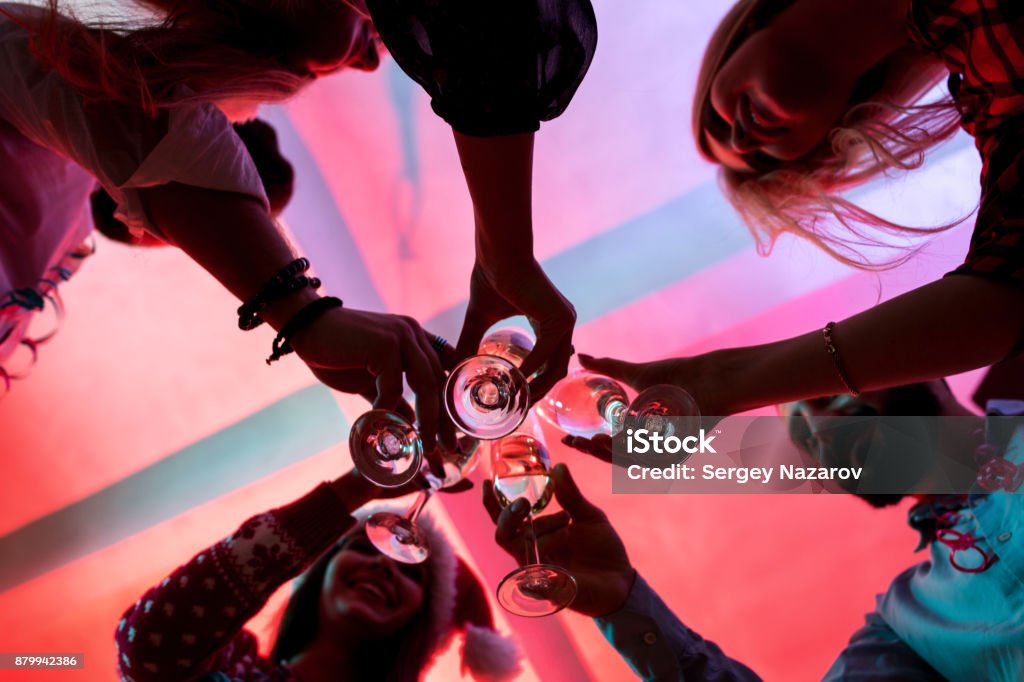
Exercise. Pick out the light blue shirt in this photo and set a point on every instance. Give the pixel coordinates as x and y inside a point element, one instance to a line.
<point>970,626</point>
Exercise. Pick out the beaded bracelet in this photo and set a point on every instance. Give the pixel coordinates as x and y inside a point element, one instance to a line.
<point>287,281</point>
<point>301,319</point>
<point>830,346</point>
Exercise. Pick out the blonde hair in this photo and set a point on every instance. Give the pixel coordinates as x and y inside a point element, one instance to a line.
<point>196,51</point>
<point>803,197</point>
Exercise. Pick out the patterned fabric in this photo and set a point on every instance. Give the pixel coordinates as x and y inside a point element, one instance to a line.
<point>191,623</point>
<point>491,68</point>
<point>982,44</point>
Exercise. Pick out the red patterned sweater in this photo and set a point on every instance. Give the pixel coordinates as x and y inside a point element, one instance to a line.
<point>192,622</point>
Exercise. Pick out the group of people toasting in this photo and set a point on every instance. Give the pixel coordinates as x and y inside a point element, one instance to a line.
<point>797,101</point>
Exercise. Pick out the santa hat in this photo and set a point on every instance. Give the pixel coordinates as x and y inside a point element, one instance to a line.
<point>459,604</point>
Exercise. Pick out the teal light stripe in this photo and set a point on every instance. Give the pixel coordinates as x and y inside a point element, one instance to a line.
<point>638,257</point>
<point>292,429</point>
<point>650,252</point>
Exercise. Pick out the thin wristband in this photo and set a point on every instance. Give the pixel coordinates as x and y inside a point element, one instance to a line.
<point>833,351</point>
<point>301,319</point>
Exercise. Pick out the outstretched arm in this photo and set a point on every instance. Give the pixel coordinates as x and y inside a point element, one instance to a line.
<point>507,280</point>
<point>191,622</point>
<point>953,325</point>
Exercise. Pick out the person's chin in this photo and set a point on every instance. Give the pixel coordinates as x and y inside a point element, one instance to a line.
<point>372,619</point>
<point>882,500</point>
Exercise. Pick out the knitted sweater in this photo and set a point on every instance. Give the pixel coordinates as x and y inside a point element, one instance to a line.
<point>192,622</point>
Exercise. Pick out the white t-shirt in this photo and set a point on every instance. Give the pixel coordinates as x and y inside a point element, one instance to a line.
<point>55,149</point>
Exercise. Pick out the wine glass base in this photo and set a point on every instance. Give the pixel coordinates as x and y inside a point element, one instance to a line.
<point>487,397</point>
<point>385,449</point>
<point>537,590</point>
<point>398,538</point>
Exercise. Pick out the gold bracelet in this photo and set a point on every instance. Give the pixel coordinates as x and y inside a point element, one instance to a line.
<point>830,346</point>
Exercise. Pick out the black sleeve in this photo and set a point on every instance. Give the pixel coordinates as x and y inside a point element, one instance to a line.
<point>493,67</point>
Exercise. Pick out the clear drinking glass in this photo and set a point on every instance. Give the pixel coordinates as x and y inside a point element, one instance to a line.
<point>386,449</point>
<point>520,467</point>
<point>587,404</point>
<point>398,536</point>
<point>486,395</point>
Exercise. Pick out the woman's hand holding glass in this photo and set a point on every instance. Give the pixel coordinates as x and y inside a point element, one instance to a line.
<point>592,405</point>
<point>486,395</point>
<point>498,293</point>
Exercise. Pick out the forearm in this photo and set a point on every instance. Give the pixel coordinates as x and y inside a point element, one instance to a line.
<point>658,646</point>
<point>953,325</point>
<point>231,236</point>
<point>499,175</point>
<point>354,490</point>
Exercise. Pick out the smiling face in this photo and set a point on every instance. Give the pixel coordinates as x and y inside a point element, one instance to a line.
<point>767,105</point>
<point>368,594</point>
<point>777,94</point>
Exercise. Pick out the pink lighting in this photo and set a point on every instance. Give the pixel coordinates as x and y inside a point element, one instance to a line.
<point>149,368</point>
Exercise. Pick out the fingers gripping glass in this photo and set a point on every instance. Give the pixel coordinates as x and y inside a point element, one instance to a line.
<point>486,395</point>
<point>398,536</point>
<point>587,404</point>
<point>386,449</point>
<point>520,467</point>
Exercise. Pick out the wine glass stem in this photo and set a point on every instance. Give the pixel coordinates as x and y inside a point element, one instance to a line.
<point>417,506</point>
<point>534,557</point>
<point>615,413</point>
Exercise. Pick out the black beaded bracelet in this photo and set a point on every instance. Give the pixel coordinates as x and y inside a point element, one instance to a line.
<point>301,319</point>
<point>249,315</point>
<point>287,281</point>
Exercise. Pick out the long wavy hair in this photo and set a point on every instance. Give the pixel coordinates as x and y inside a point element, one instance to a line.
<point>403,658</point>
<point>190,50</point>
<point>803,197</point>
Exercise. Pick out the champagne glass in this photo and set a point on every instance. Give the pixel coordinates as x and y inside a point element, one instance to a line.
<point>486,395</point>
<point>386,449</point>
<point>398,536</point>
<point>587,404</point>
<point>520,467</point>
